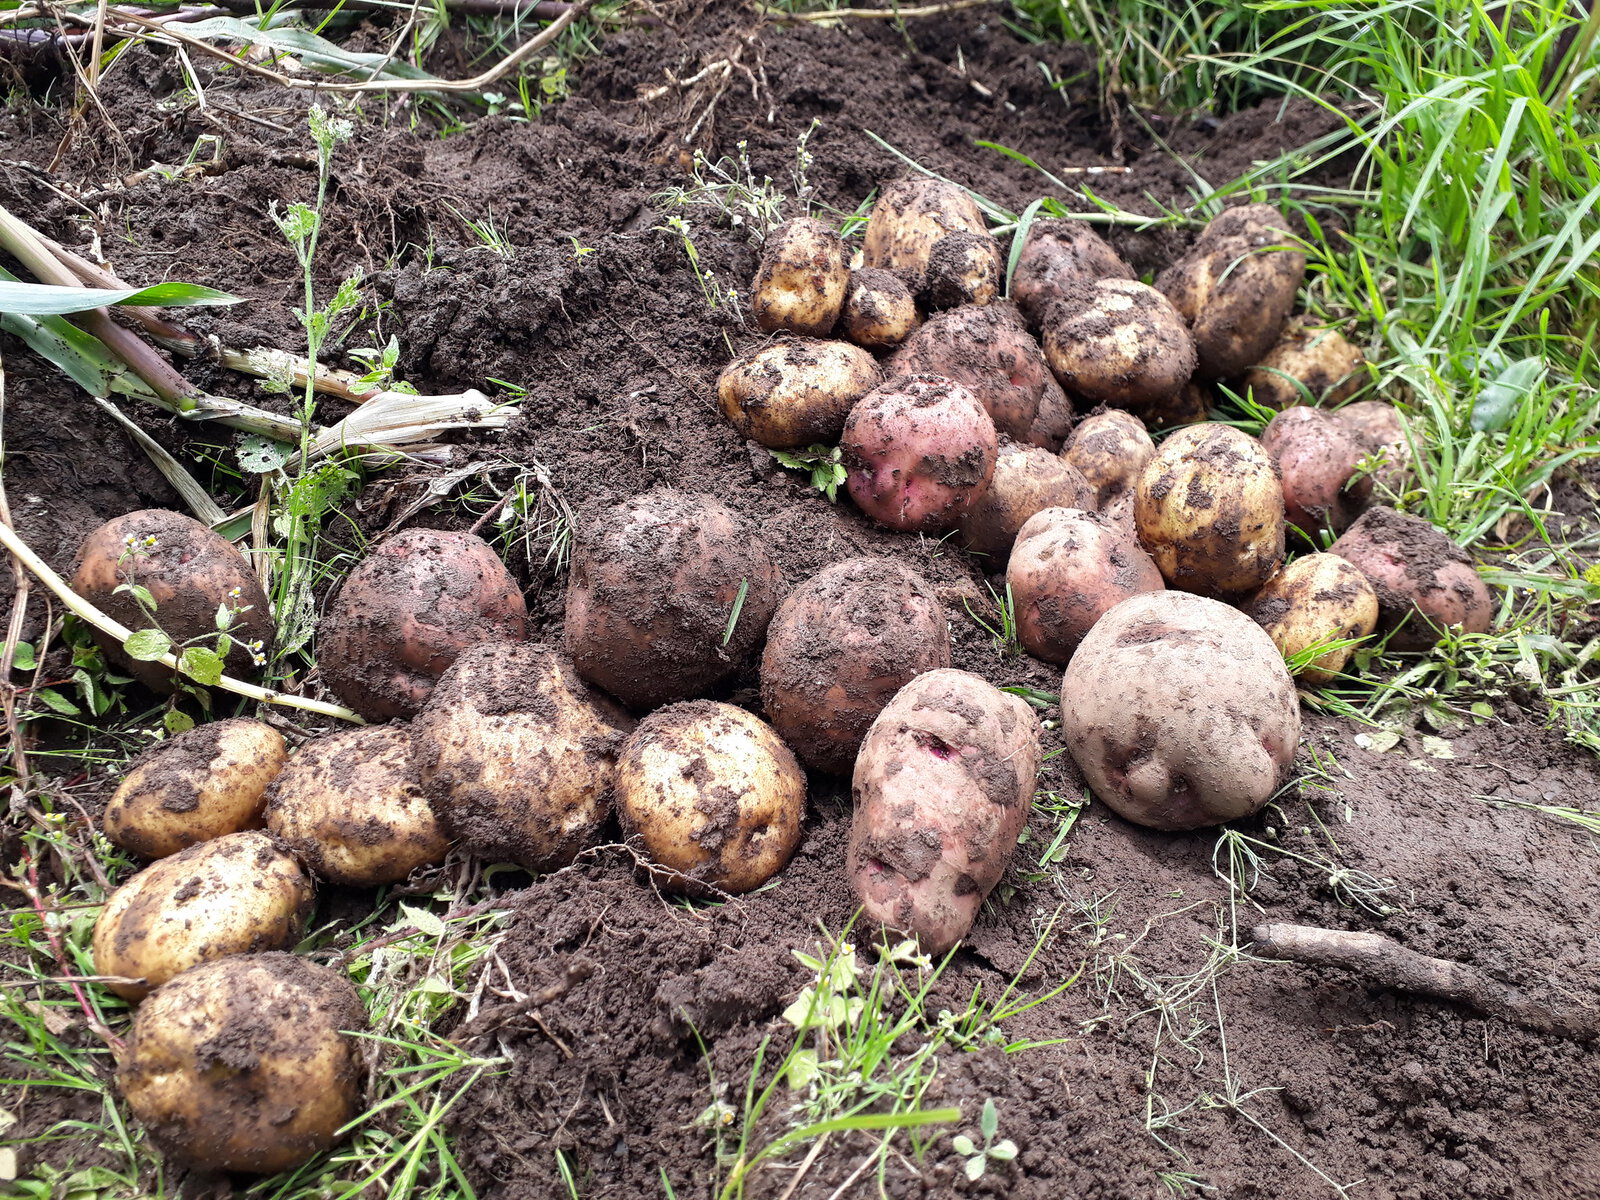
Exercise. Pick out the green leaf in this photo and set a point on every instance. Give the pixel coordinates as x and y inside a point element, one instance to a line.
<point>176,721</point>
<point>976,1167</point>
<point>147,645</point>
<point>1003,1152</point>
<point>224,615</point>
<point>989,1122</point>
<point>802,1069</point>
<point>201,665</point>
<point>51,698</point>
<point>258,455</point>
<point>139,592</point>
<point>1499,399</point>
<point>963,1145</point>
<point>22,657</point>
<point>48,300</point>
<point>427,923</point>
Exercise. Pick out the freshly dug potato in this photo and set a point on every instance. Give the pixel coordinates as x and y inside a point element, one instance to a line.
<point>795,392</point>
<point>1026,480</point>
<point>237,894</point>
<point>801,282</point>
<point>1110,448</point>
<point>942,788</point>
<point>351,806</point>
<point>407,610</point>
<point>189,572</point>
<point>516,755</point>
<point>714,795</point>
<point>986,349</point>
<point>1381,431</point>
<point>919,450</point>
<point>209,781</point>
<point>1209,509</point>
<point>1180,712</point>
<point>1058,253</point>
<point>843,643</point>
<point>1054,422</point>
<point>1318,598</point>
<point>1120,512</point>
<point>1308,366</point>
<point>1236,288</point>
<point>1116,341</point>
<point>1068,568</point>
<point>1318,461</point>
<point>1191,404</point>
<point>964,268</point>
<point>654,583</point>
<point>246,1063</point>
<point>880,310</point>
<point>1425,582</point>
<point>910,216</point>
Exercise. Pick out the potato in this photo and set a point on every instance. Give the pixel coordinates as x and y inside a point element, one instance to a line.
<point>516,755</point>
<point>1425,582</point>
<point>209,781</point>
<point>1110,447</point>
<point>189,572</point>
<point>237,894</point>
<point>842,644</point>
<point>1116,341</point>
<point>964,268</point>
<point>1317,461</point>
<point>1180,712</point>
<point>795,392</point>
<point>653,587</point>
<point>1317,598</point>
<point>880,310</point>
<point>1381,431</point>
<point>408,609</point>
<point>801,282</point>
<point>1068,568</point>
<point>714,795</point>
<point>1209,509</point>
<point>1120,513</point>
<point>1236,288</point>
<point>910,216</point>
<point>1191,404</point>
<point>246,1063</point>
<point>919,450</point>
<point>1059,252</point>
<point>986,349</point>
<point>1307,366</point>
<point>943,786</point>
<point>351,806</point>
<point>1054,422</point>
<point>1026,480</point>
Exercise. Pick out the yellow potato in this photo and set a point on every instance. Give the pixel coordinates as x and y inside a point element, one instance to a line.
<point>964,268</point>
<point>796,392</point>
<point>1116,341</point>
<point>910,217</point>
<point>800,284</point>
<point>880,310</point>
<point>1307,366</point>
<point>1315,599</point>
<point>1110,449</point>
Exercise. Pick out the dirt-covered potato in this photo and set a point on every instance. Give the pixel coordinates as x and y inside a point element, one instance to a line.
<point>942,788</point>
<point>920,450</point>
<point>188,572</point>
<point>1052,426</point>
<point>1120,512</point>
<point>1318,462</point>
<point>1236,288</point>
<point>1209,509</point>
<point>351,806</point>
<point>880,309</point>
<point>407,610</point>
<point>652,591</point>
<point>842,644</point>
<point>795,392</point>
<point>1381,431</point>
<point>1116,341</point>
<point>237,894</point>
<point>246,1063</point>
<point>209,781</point>
<point>1110,449</point>
<point>910,216</point>
<point>1309,365</point>
<point>1315,599</point>
<point>516,755</point>
<point>964,268</point>
<point>1180,712</point>
<point>1027,479</point>
<point>801,282</point>
<point>1057,253</point>
<point>1425,582</point>
<point>713,794</point>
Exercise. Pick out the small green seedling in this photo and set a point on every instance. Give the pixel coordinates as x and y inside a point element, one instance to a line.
<point>825,464</point>
<point>978,1156</point>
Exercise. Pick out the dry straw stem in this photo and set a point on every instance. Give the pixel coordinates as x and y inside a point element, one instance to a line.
<point>882,14</point>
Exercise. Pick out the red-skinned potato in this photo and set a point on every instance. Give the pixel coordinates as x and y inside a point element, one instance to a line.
<point>1424,581</point>
<point>1110,448</point>
<point>1118,342</point>
<point>1179,712</point>
<point>1308,366</point>
<point>1026,480</point>
<point>407,610</point>
<point>1054,422</point>
<point>919,450</point>
<point>1380,430</point>
<point>841,645</point>
<point>1317,461</point>
<point>880,309</point>
<point>1315,599</point>
<point>942,789</point>
<point>795,392</point>
<point>986,349</point>
<point>910,216</point>
<point>801,282</point>
<point>964,268</point>
<point>1059,252</point>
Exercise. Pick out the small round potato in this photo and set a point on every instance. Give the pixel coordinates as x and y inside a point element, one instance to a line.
<point>964,268</point>
<point>1308,366</point>
<point>795,392</point>
<point>351,806</point>
<point>1318,463</point>
<point>910,216</point>
<point>237,894</point>
<point>1059,252</point>
<point>246,1063</point>
<point>1110,447</point>
<point>1317,598</point>
<point>209,781</point>
<point>1381,432</point>
<point>1026,480</point>
<point>801,282</point>
<point>714,795</point>
<point>1116,341</point>
<point>880,310</point>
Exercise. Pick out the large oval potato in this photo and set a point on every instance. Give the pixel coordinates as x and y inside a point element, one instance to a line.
<point>1027,479</point>
<point>842,644</point>
<point>1110,448</point>
<point>1381,430</point>
<point>880,309</point>
<point>964,268</point>
<point>795,392</point>
<point>801,282</point>
<point>910,217</point>
<point>1180,712</point>
<point>237,894</point>
<point>1116,341</point>
<point>986,349</point>
<point>1056,254</point>
<point>1308,366</point>
<point>1318,464</point>
<point>1316,599</point>
<point>206,782</point>
<point>943,786</point>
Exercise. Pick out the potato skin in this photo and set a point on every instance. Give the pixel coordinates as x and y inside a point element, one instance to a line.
<point>1424,581</point>
<point>801,282</point>
<point>842,644</point>
<point>1179,711</point>
<point>714,795</point>
<point>516,755</point>
<point>1068,568</point>
<point>1380,430</point>
<point>407,610</point>
<point>244,1064</point>
<point>1059,252</point>
<point>942,789</point>
<point>653,583</point>
<point>237,894</point>
<point>910,216</point>
<point>1316,361</point>
<point>986,349</point>
<point>795,392</point>
<point>1314,598</point>
<point>206,782</point>
<point>1110,448</point>
<point>1026,480</point>
<point>1317,462</point>
<point>920,450</point>
<point>963,268</point>
<point>880,310</point>
<point>1054,422</point>
<point>189,571</point>
<point>1116,341</point>
<point>351,806</point>
<point>1209,509</point>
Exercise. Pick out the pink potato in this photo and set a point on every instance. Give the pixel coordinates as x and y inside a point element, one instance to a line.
<point>942,788</point>
<point>1318,460</point>
<point>1381,430</point>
